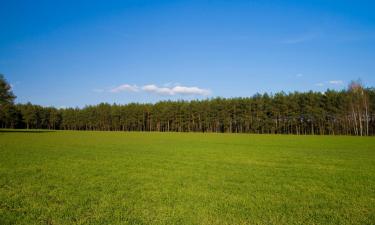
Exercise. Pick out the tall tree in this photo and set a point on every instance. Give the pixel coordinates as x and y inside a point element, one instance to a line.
<point>359,107</point>
<point>6,94</point>
<point>8,114</point>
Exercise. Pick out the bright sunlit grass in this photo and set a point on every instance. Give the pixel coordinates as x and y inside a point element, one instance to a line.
<point>68,177</point>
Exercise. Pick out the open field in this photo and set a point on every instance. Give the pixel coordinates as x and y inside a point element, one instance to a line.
<point>68,177</point>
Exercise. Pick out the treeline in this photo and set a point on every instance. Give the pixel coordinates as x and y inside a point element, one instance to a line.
<point>346,112</point>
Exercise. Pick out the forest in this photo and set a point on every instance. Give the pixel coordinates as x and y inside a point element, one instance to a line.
<point>346,112</point>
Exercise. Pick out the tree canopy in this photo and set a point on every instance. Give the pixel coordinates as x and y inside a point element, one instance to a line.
<point>345,112</point>
<point>7,110</point>
<point>6,94</point>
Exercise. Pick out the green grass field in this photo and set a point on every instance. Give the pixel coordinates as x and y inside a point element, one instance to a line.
<point>69,177</point>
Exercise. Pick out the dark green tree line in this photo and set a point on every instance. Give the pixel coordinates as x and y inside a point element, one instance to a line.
<point>346,112</point>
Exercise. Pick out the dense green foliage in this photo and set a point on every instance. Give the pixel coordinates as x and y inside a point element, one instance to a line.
<point>72,177</point>
<point>347,112</point>
<point>6,94</point>
<point>295,113</point>
<point>8,113</point>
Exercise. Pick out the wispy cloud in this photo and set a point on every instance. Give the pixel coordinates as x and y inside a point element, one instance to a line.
<point>329,36</point>
<point>176,90</point>
<point>171,84</point>
<point>301,38</point>
<point>299,75</point>
<point>336,82</point>
<point>331,82</point>
<point>298,40</point>
<point>125,88</point>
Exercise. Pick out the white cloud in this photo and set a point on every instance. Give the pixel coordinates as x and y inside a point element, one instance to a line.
<point>176,90</point>
<point>320,84</point>
<point>336,82</point>
<point>158,90</point>
<point>190,90</point>
<point>125,87</point>
<point>167,89</point>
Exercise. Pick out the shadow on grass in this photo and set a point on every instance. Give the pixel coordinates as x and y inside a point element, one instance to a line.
<point>25,131</point>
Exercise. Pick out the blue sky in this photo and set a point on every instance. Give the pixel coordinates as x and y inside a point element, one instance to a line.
<point>73,53</point>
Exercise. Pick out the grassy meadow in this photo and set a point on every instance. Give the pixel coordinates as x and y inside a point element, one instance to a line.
<point>72,177</point>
